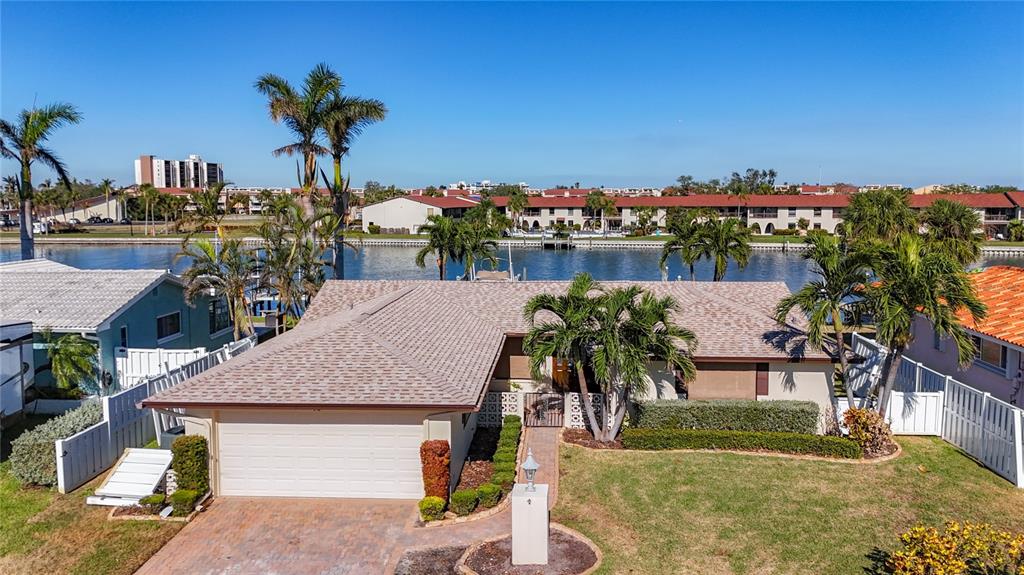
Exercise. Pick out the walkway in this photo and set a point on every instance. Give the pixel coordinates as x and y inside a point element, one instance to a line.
<point>250,535</point>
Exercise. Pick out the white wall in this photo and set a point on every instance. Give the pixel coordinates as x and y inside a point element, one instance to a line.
<point>85,212</point>
<point>13,378</point>
<point>805,381</point>
<point>397,213</point>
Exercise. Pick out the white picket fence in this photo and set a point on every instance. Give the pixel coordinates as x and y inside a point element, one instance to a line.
<point>93,450</point>
<point>133,364</point>
<point>929,403</point>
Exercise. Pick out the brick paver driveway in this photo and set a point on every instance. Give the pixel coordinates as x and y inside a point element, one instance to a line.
<point>285,536</point>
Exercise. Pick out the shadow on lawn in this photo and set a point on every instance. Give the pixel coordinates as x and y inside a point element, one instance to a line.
<point>878,558</point>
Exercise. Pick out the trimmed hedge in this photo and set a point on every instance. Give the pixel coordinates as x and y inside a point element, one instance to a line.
<point>504,466</point>
<point>431,508</point>
<point>183,501</point>
<point>33,459</point>
<point>730,414</point>
<point>799,443</point>
<point>436,457</point>
<point>504,456</point>
<point>191,462</point>
<point>464,501</point>
<point>489,495</point>
<point>152,503</point>
<point>505,479</point>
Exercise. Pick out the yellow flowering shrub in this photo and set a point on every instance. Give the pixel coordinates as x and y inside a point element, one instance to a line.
<point>960,549</point>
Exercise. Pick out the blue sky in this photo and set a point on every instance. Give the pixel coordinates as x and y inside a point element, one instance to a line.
<point>603,94</point>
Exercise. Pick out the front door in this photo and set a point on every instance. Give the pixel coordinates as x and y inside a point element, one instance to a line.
<point>544,409</point>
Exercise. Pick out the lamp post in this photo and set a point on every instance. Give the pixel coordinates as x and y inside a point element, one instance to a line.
<point>529,517</point>
<point>530,467</point>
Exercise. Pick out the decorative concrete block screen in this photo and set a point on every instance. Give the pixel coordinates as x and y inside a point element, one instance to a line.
<point>498,404</point>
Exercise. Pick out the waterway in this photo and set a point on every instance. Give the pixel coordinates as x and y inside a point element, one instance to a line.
<point>379,262</point>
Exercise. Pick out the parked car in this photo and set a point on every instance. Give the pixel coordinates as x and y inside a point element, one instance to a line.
<point>75,222</point>
<point>125,222</point>
<point>108,220</point>
<point>94,220</point>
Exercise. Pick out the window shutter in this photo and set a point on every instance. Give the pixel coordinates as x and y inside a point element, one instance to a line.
<point>762,379</point>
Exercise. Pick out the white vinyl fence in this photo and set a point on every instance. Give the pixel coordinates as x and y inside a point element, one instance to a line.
<point>93,450</point>
<point>926,402</point>
<point>133,364</point>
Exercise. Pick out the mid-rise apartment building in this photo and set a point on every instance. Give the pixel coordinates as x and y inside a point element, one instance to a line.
<point>191,173</point>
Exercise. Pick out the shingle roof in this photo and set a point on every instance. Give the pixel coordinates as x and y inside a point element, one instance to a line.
<point>1001,289</point>
<point>34,265</point>
<point>432,343</point>
<point>66,298</point>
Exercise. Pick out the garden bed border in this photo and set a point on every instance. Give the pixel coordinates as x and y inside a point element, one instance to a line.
<point>186,519</point>
<point>462,569</point>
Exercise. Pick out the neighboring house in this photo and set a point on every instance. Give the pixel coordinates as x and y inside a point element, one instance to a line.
<point>339,406</point>
<point>405,214</point>
<point>114,308</point>
<point>1018,200</point>
<point>998,367</point>
<point>995,210</point>
<point>98,206</point>
<point>16,367</point>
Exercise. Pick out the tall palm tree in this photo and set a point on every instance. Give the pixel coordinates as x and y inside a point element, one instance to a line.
<point>913,280</point>
<point>598,203</point>
<point>23,141</point>
<point>476,241</point>
<point>442,240</point>
<point>686,233</point>
<point>287,251</point>
<point>346,118</point>
<point>226,273</point>
<point>1015,231</point>
<point>954,228</point>
<point>303,112</point>
<point>73,359</point>
<point>828,300</point>
<point>518,201</point>
<point>722,240</point>
<point>149,196</point>
<point>206,210</point>
<point>107,187</point>
<point>878,215</point>
<point>610,336</point>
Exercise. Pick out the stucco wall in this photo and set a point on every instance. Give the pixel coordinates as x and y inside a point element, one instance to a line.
<point>397,213</point>
<point>449,426</point>
<point>803,382</point>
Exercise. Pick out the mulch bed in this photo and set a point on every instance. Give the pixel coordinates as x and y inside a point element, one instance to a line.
<point>435,561</point>
<point>484,444</point>
<point>132,510</point>
<point>586,439</point>
<point>566,556</point>
<point>475,474</point>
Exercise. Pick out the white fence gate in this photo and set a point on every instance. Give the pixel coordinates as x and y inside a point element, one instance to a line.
<point>92,451</point>
<point>133,364</point>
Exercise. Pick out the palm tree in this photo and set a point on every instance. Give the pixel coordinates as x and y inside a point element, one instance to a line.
<point>476,241</point>
<point>954,228</point>
<point>825,302</point>
<point>73,359</point>
<point>443,241</point>
<point>686,236</point>
<point>518,201</point>
<point>304,113</point>
<point>22,140</point>
<point>599,203</point>
<point>722,240</point>
<point>878,215</point>
<point>107,186</point>
<point>149,196</point>
<point>206,210</point>
<point>913,280</point>
<point>610,336</point>
<point>226,274</point>
<point>288,251</point>
<point>346,118</point>
<point>1015,231</point>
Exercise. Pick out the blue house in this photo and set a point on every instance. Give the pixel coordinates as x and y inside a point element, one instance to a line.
<point>114,308</point>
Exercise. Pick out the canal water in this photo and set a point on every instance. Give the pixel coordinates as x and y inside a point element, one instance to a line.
<point>380,262</point>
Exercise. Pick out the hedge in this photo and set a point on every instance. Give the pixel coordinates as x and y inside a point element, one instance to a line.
<point>489,494</point>
<point>505,479</point>
<point>152,503</point>
<point>191,463</point>
<point>33,458</point>
<point>504,456</point>
<point>799,443</point>
<point>431,508</point>
<point>436,457</point>
<point>183,501</point>
<point>504,466</point>
<point>464,501</point>
<point>730,414</point>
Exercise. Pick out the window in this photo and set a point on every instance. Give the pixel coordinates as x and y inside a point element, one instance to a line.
<point>220,317</point>
<point>168,326</point>
<point>792,212</point>
<point>989,354</point>
<point>551,211</point>
<point>936,340</point>
<point>817,212</point>
<point>817,226</point>
<point>792,226</point>
<point>124,336</point>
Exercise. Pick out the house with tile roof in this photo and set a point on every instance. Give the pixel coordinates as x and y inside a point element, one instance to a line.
<point>405,214</point>
<point>339,406</point>
<point>998,365</point>
<point>114,308</point>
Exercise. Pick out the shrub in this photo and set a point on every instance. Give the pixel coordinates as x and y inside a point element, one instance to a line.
<point>505,466</point>
<point>785,232</point>
<point>183,501</point>
<point>464,501</point>
<point>431,508</point>
<point>512,420</point>
<point>436,457</point>
<point>374,229</point>
<point>191,461</point>
<point>730,414</point>
<point>960,548</point>
<point>33,459</point>
<point>800,443</point>
<point>504,456</point>
<point>505,479</point>
<point>870,431</point>
<point>152,503</point>
<point>489,494</point>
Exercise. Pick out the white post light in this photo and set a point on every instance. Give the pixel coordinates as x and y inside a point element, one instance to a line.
<point>529,517</point>
<point>530,467</point>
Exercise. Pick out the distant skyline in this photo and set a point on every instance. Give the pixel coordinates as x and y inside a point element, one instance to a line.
<point>602,94</point>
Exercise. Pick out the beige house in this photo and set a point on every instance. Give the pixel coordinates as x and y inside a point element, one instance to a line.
<point>339,406</point>
<point>405,214</point>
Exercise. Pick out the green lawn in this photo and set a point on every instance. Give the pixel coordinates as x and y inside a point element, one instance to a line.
<point>683,513</point>
<point>42,531</point>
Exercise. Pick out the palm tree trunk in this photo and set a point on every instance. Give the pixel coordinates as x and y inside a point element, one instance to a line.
<point>588,405</point>
<point>895,359</point>
<point>844,362</point>
<point>440,267</point>
<point>620,415</point>
<point>340,210</point>
<point>693,274</point>
<point>28,244</point>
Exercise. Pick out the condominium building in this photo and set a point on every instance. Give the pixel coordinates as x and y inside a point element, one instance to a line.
<point>191,173</point>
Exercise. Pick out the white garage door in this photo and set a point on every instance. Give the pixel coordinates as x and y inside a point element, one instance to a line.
<point>321,454</point>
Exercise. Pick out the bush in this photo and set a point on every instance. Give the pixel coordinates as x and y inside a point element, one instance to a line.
<point>183,501</point>
<point>505,479</point>
<point>464,501</point>
<point>431,508</point>
<point>191,463</point>
<point>504,456</point>
<point>512,420</point>
<point>436,458</point>
<point>960,548</point>
<point>489,495</point>
<point>826,446</point>
<point>785,232</point>
<point>730,414</point>
<point>870,431</point>
<point>152,503</point>
<point>33,459</point>
<point>373,229</point>
<point>505,466</point>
